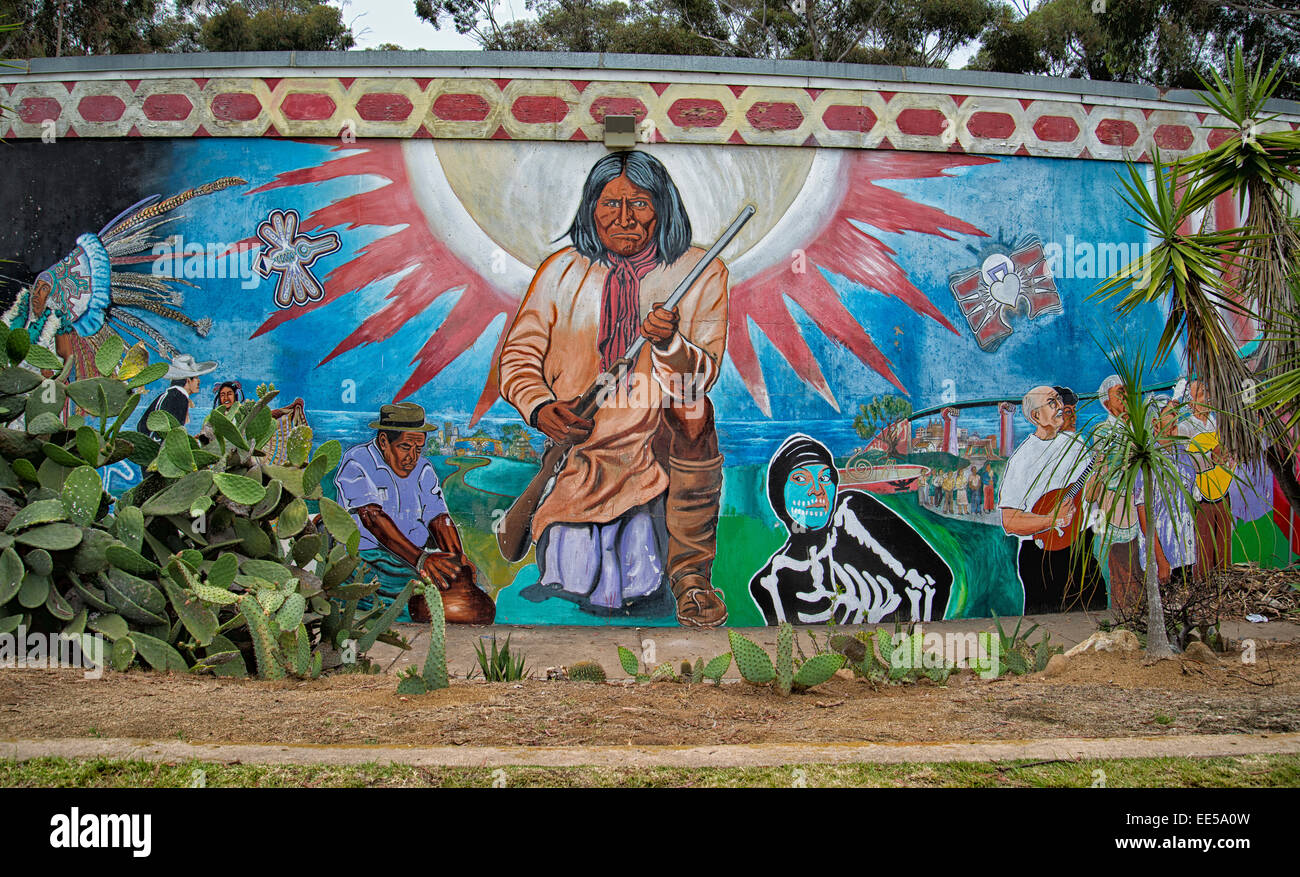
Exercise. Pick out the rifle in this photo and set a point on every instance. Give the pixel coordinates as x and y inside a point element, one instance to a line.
<point>514,530</point>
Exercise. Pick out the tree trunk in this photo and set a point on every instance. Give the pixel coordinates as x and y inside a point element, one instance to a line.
<point>812,32</point>
<point>1157,639</point>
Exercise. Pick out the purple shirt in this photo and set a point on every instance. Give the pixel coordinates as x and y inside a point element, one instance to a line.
<point>364,478</point>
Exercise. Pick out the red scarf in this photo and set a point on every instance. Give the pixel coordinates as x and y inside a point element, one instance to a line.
<point>620,303</point>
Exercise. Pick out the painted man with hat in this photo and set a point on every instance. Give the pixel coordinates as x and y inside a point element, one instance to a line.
<point>184,374</point>
<point>393,493</point>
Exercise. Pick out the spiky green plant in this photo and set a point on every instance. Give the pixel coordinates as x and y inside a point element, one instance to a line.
<point>1137,450</point>
<point>757,668</point>
<point>1250,270</point>
<point>586,671</point>
<point>499,665</point>
<point>186,571</point>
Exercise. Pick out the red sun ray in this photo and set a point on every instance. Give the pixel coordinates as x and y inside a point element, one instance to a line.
<point>437,270</point>
<point>845,249</point>
<point>433,270</point>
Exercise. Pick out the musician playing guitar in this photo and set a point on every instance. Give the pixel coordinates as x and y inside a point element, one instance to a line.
<point>1052,460</point>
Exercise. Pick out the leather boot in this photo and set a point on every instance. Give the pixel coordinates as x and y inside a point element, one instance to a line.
<point>691,516</point>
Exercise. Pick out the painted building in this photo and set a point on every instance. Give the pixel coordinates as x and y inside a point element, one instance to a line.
<point>450,229</point>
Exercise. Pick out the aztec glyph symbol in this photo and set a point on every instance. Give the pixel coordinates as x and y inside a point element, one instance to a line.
<point>291,255</point>
<point>990,293</point>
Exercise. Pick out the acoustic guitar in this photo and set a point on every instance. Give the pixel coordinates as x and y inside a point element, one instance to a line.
<point>1053,501</point>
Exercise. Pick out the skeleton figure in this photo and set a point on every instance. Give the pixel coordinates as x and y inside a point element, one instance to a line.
<point>75,304</point>
<point>848,556</point>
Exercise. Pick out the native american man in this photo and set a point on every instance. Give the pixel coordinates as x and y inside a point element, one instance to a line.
<point>636,506</point>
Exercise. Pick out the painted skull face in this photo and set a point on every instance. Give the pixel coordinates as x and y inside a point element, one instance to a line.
<point>810,495</point>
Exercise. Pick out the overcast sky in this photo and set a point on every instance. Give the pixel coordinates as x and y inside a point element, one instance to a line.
<point>375,22</point>
<point>394,21</point>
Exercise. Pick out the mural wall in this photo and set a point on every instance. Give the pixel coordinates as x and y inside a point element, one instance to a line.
<point>862,410</point>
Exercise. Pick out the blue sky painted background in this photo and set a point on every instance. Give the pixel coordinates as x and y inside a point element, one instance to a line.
<point>1009,199</point>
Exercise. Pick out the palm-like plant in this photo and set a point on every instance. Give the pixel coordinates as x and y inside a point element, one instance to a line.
<point>1138,468</point>
<point>1185,268</point>
<point>1248,271</point>
<point>1259,166</point>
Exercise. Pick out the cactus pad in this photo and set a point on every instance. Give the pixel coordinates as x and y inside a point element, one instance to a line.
<point>752,662</point>
<point>817,670</point>
<point>628,661</point>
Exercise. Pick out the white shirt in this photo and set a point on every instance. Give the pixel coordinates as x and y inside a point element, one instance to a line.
<point>1038,466</point>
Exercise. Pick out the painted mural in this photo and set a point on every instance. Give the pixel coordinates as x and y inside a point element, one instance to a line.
<point>869,406</point>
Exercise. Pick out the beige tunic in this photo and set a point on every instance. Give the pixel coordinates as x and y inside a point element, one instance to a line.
<point>550,353</point>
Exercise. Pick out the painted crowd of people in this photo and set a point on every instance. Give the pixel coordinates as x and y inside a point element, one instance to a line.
<point>970,490</point>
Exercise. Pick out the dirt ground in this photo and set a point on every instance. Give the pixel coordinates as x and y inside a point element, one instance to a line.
<point>1098,695</point>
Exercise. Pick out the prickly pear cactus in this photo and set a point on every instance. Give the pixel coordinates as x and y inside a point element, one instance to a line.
<point>586,671</point>
<point>784,658</point>
<point>716,667</point>
<point>817,670</point>
<point>628,661</point>
<point>435,664</point>
<point>411,682</point>
<point>752,662</point>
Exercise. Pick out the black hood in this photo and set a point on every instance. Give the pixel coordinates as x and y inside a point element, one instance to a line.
<point>798,450</point>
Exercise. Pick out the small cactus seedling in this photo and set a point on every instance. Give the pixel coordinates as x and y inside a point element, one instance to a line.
<point>586,671</point>
<point>409,681</point>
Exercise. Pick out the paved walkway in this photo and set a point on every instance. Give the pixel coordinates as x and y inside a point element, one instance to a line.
<point>550,646</point>
<point>756,755</point>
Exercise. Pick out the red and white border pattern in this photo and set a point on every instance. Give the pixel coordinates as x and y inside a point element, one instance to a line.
<point>574,109</point>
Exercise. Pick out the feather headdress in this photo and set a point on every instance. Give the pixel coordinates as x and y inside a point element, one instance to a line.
<point>94,299</point>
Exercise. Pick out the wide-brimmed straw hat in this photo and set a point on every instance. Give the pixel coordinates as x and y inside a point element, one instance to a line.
<point>402,417</point>
<point>183,366</point>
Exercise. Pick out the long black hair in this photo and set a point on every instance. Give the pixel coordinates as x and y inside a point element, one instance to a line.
<point>234,386</point>
<point>673,229</point>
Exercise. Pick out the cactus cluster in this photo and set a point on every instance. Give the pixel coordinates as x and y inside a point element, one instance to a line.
<point>664,672</point>
<point>186,571</point>
<point>896,658</point>
<point>757,668</point>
